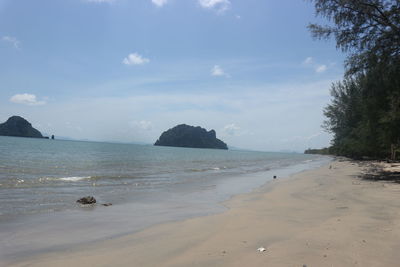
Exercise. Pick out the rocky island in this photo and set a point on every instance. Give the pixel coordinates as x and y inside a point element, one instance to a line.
<point>18,126</point>
<point>189,136</point>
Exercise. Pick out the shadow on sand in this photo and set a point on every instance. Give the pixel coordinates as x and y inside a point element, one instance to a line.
<point>383,176</point>
<point>377,173</point>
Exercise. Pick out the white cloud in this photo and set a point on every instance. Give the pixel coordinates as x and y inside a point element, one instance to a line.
<point>308,61</point>
<point>219,5</point>
<point>159,3</point>
<point>12,40</point>
<point>231,129</point>
<point>321,68</point>
<point>143,125</point>
<point>218,71</point>
<point>315,135</point>
<point>26,99</point>
<point>135,59</point>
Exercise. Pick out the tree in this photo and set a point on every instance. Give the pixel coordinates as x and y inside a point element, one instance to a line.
<point>368,29</point>
<point>364,114</point>
<point>344,117</point>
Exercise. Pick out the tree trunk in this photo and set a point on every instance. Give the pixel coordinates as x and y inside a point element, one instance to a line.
<point>392,152</point>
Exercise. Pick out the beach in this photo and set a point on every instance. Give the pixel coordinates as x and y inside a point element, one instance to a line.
<point>203,133</point>
<point>322,217</point>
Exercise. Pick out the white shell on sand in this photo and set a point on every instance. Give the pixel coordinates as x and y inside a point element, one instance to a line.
<point>261,249</point>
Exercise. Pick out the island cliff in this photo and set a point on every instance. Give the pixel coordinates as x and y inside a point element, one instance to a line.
<point>18,126</point>
<point>189,136</point>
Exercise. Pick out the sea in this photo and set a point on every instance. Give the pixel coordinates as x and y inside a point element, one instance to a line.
<point>41,179</point>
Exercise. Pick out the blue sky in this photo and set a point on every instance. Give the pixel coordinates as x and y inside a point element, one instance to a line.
<point>124,70</point>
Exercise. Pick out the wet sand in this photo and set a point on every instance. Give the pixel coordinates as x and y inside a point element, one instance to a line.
<point>323,217</point>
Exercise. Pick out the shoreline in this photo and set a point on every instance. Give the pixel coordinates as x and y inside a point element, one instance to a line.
<point>41,233</point>
<point>321,217</point>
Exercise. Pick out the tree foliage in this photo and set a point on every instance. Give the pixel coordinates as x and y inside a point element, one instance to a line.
<point>369,30</point>
<point>364,113</point>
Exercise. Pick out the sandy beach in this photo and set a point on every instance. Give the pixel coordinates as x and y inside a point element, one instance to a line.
<point>323,217</point>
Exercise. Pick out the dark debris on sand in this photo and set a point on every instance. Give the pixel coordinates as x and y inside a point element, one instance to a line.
<point>376,173</point>
<point>383,176</point>
<point>86,200</point>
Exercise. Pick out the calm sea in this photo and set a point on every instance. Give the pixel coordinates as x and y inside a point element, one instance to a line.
<point>39,175</point>
<point>40,181</point>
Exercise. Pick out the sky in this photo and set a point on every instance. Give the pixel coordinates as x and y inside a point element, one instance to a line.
<point>127,70</point>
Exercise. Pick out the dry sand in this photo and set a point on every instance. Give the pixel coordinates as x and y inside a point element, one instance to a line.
<point>323,217</point>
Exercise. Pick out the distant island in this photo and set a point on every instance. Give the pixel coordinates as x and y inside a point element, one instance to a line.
<point>189,136</point>
<point>321,151</point>
<point>18,126</point>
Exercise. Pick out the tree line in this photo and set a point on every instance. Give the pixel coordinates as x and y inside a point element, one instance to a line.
<point>364,112</point>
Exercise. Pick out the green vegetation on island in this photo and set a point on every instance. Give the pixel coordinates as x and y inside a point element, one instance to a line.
<point>364,113</point>
<point>19,127</point>
<point>189,136</point>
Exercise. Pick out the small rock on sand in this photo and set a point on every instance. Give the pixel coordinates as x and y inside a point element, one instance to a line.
<point>87,200</point>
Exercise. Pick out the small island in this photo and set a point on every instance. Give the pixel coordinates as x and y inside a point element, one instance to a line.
<point>189,136</point>
<point>19,127</point>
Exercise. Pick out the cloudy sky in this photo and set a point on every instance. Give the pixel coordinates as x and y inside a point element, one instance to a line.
<point>124,70</point>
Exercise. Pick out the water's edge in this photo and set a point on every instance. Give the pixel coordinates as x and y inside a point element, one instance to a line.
<point>31,235</point>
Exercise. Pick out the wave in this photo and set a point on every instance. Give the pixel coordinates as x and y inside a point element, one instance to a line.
<point>66,179</point>
<point>74,179</point>
<point>207,169</point>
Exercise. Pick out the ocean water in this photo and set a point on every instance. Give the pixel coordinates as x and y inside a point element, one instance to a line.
<point>38,175</point>
<point>40,181</point>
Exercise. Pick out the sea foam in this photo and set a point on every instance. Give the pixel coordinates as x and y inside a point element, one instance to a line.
<point>73,179</point>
